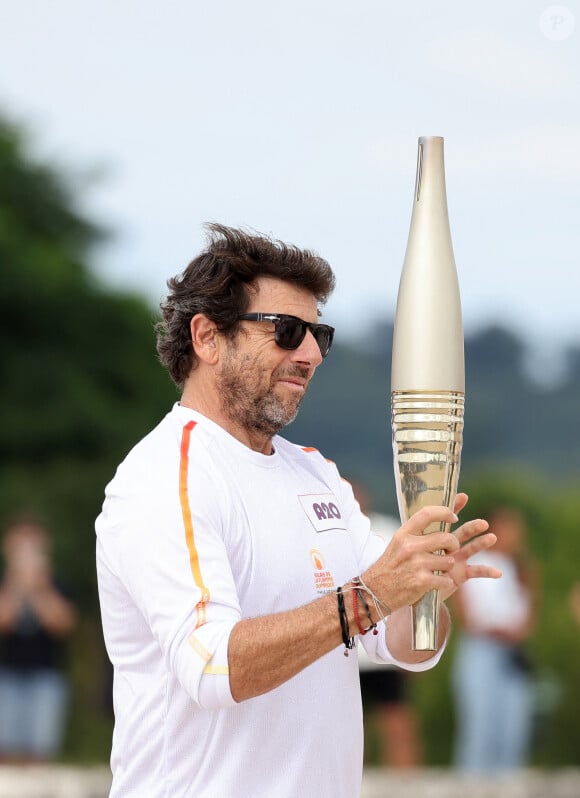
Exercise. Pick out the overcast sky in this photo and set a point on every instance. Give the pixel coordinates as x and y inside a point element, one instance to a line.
<point>301,119</point>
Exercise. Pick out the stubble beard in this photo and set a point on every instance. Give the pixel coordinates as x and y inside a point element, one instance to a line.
<point>251,406</point>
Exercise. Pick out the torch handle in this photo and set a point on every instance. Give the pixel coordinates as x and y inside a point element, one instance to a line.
<point>427,442</point>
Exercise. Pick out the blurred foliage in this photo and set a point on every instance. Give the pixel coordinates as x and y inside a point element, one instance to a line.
<point>81,383</point>
<point>552,512</point>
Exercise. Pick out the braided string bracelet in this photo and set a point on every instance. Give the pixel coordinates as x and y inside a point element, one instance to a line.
<point>381,608</point>
<point>359,593</point>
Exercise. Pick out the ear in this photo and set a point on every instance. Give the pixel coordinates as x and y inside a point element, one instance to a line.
<point>203,338</point>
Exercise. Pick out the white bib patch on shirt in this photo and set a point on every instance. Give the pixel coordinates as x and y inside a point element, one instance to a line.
<point>323,511</point>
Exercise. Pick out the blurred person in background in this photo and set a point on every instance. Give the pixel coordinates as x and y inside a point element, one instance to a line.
<point>492,670</point>
<point>35,618</point>
<point>387,708</point>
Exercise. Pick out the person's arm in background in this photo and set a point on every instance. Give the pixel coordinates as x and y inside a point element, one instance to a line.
<point>29,582</point>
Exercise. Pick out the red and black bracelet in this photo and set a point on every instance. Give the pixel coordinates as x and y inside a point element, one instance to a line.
<point>348,641</point>
<point>358,592</point>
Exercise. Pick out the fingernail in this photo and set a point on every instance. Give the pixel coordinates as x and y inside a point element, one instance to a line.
<point>455,517</point>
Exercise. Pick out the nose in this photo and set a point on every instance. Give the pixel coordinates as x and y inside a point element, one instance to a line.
<point>308,351</point>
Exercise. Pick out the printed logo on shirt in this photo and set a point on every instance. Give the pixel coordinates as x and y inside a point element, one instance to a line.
<point>323,511</point>
<point>323,579</point>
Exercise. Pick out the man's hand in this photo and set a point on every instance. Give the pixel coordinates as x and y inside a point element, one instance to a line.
<point>472,540</point>
<point>411,566</point>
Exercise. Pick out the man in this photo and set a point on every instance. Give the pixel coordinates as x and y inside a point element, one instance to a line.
<point>226,554</point>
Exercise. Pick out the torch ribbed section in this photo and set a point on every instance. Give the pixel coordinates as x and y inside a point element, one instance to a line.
<point>427,441</point>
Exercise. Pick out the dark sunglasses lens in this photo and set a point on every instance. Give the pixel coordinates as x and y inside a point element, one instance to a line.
<point>290,333</point>
<point>323,337</point>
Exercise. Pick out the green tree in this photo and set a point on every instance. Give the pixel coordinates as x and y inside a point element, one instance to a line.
<point>80,381</point>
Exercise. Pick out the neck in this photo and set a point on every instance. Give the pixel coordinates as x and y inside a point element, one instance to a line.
<point>206,402</point>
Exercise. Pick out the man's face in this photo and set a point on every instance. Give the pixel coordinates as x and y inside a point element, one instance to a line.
<point>262,385</point>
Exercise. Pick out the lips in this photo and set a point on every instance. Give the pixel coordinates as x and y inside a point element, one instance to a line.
<point>295,380</point>
<point>295,383</point>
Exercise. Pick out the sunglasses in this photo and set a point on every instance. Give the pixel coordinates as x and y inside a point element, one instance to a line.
<point>290,331</point>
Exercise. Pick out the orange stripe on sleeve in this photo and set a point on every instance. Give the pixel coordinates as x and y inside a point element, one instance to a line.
<point>188,523</point>
<point>309,449</point>
<point>199,648</point>
<point>217,670</point>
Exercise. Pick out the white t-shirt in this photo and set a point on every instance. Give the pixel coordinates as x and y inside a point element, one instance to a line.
<point>198,531</point>
<point>496,603</point>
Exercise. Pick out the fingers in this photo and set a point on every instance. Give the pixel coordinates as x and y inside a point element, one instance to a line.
<point>444,584</point>
<point>475,546</point>
<point>418,523</point>
<point>421,559</point>
<point>470,529</point>
<point>460,501</point>
<point>438,562</point>
<point>485,571</point>
<point>420,520</point>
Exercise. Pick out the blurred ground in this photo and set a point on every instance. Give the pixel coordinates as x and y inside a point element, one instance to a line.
<point>68,782</point>
<point>441,783</point>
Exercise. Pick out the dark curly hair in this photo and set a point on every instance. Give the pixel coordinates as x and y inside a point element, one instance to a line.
<point>216,284</point>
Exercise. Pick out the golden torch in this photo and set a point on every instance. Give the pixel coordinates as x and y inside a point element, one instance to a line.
<point>428,373</point>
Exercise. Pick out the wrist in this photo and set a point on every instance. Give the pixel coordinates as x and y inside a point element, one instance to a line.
<point>378,610</point>
<point>359,611</point>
